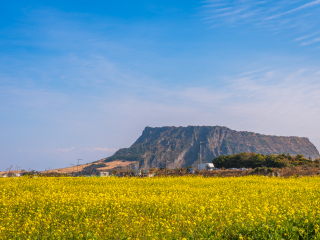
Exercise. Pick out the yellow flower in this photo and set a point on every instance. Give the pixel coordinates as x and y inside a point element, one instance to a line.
<point>144,208</point>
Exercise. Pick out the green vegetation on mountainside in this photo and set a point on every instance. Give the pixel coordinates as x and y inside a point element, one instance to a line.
<point>254,160</point>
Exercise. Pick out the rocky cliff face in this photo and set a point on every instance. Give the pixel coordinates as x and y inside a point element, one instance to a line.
<point>180,146</point>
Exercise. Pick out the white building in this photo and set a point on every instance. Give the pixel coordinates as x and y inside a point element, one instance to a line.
<point>104,174</point>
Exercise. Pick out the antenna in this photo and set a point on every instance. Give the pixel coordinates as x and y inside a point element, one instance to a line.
<point>78,165</point>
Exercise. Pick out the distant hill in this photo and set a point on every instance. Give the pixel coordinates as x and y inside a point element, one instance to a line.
<point>180,146</point>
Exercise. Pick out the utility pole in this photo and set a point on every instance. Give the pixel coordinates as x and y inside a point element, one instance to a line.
<point>72,169</point>
<point>166,167</point>
<point>78,165</point>
<point>200,156</point>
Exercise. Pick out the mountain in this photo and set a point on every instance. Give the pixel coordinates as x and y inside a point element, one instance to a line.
<point>180,146</point>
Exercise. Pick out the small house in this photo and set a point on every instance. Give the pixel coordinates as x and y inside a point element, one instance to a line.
<point>104,174</point>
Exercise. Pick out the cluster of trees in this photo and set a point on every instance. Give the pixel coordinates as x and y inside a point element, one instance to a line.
<point>254,160</point>
<point>132,157</point>
<point>43,174</point>
<point>128,154</point>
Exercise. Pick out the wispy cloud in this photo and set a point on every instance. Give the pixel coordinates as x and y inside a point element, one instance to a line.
<point>65,149</point>
<point>307,5</point>
<point>307,36</point>
<point>301,15</point>
<point>310,42</point>
<point>105,149</point>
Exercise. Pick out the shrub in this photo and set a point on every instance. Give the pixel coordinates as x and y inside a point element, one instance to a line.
<point>255,160</point>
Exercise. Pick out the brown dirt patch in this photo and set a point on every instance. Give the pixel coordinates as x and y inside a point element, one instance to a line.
<point>109,165</point>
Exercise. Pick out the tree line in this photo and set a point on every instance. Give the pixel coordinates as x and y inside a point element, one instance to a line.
<point>254,160</point>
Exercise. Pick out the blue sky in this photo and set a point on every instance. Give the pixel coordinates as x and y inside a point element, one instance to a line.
<point>83,80</point>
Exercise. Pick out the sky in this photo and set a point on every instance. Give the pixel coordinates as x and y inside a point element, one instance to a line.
<point>79,80</point>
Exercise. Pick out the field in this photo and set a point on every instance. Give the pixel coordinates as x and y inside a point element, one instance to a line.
<point>252,207</point>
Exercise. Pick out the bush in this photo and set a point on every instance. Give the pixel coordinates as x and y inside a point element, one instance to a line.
<point>258,169</point>
<point>256,160</point>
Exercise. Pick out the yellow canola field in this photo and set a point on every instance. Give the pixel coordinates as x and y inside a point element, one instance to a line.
<point>160,208</point>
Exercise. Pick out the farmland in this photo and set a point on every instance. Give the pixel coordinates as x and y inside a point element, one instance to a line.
<point>252,207</point>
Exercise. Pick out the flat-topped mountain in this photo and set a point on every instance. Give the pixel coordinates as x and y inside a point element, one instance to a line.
<point>180,146</point>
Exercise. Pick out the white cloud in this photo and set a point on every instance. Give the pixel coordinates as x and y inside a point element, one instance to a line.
<point>300,17</point>
<point>64,149</point>
<point>105,149</point>
<point>307,5</point>
<point>307,36</point>
<point>310,42</point>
